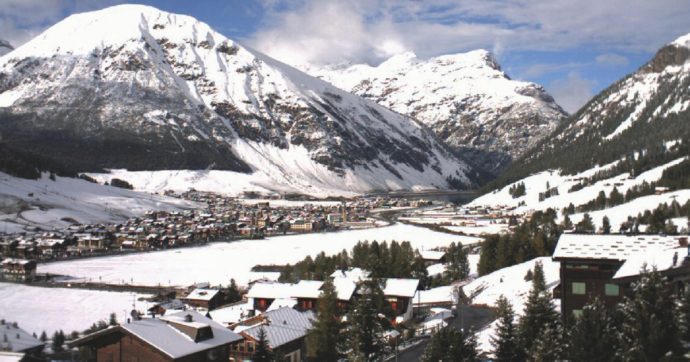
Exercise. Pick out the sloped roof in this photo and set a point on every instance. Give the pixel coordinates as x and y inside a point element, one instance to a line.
<point>202,294</point>
<point>169,340</point>
<point>284,326</point>
<point>432,254</point>
<point>400,287</point>
<point>18,340</point>
<point>662,260</point>
<point>307,289</point>
<point>270,290</point>
<point>344,288</point>
<point>610,247</point>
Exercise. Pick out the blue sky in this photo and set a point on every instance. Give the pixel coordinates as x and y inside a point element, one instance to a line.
<point>573,48</point>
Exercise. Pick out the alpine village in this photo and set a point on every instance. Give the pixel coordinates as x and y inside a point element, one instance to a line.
<point>316,191</point>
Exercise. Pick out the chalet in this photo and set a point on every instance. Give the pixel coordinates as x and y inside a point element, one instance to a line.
<point>8,246</point>
<point>205,298</point>
<point>286,330</point>
<point>26,249</point>
<point>399,293</point>
<point>19,342</point>
<point>182,336</point>
<point>588,264</point>
<point>19,270</point>
<point>261,295</point>
<point>431,257</point>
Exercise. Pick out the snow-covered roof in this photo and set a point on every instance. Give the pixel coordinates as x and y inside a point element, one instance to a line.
<point>610,247</point>
<point>270,290</point>
<point>169,340</point>
<point>280,303</point>
<point>307,289</point>
<point>662,260</point>
<point>15,339</point>
<point>432,254</point>
<point>284,325</point>
<point>202,294</point>
<point>444,294</point>
<point>356,274</point>
<point>344,288</point>
<point>400,287</point>
<point>231,314</point>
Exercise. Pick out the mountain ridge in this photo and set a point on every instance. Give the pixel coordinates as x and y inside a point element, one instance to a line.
<point>169,87</point>
<point>465,98</point>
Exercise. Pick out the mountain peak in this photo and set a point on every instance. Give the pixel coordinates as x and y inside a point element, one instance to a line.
<point>683,41</point>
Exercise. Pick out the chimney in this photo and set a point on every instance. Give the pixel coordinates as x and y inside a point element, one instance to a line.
<point>188,318</point>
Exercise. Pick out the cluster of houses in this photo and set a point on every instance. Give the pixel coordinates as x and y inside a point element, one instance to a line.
<point>223,218</point>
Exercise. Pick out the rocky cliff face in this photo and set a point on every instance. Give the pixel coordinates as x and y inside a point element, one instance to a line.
<point>466,99</point>
<point>134,87</point>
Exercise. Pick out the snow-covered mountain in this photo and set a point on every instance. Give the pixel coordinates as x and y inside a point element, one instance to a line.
<point>466,99</point>
<point>634,133</point>
<point>134,87</point>
<point>645,113</point>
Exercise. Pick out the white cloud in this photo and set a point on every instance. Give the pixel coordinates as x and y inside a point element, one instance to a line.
<point>356,30</point>
<point>612,59</point>
<point>21,20</point>
<point>572,92</point>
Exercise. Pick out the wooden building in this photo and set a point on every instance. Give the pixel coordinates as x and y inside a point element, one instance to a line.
<point>183,336</point>
<point>399,294</point>
<point>205,298</point>
<point>588,264</point>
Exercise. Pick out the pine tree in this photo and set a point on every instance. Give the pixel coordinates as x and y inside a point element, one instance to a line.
<point>112,321</point>
<point>549,344</point>
<point>539,311</point>
<point>505,343</point>
<point>44,337</point>
<point>365,331</point>
<point>649,330</point>
<point>58,341</point>
<point>567,223</point>
<point>683,318</point>
<point>593,335</point>
<point>232,294</point>
<point>324,340</point>
<point>585,225</point>
<point>605,225</point>
<point>450,345</point>
<point>263,352</point>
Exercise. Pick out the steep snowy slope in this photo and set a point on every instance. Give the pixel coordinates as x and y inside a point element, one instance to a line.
<point>49,204</point>
<point>640,114</point>
<point>635,132</point>
<point>466,99</point>
<point>134,87</point>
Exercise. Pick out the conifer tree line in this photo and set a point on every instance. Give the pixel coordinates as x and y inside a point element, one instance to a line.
<point>652,324</point>
<point>533,238</point>
<point>383,260</point>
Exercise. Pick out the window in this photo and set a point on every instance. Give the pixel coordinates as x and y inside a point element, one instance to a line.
<point>579,288</point>
<point>250,347</point>
<point>612,290</point>
<point>577,313</point>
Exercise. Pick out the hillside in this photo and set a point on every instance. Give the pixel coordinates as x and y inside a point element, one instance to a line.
<point>466,99</point>
<point>624,153</point>
<point>639,122</point>
<point>167,92</point>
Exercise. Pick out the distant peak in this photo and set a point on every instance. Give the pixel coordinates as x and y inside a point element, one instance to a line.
<point>683,41</point>
<point>401,58</point>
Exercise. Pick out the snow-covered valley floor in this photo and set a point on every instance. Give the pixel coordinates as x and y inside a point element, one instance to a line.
<point>216,263</point>
<point>38,309</point>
